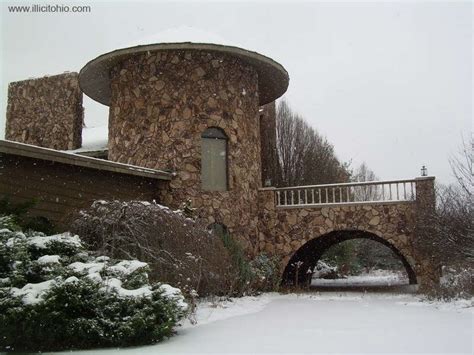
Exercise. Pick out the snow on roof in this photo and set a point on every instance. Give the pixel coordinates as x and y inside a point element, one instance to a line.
<point>69,157</point>
<point>94,77</point>
<point>183,34</point>
<point>93,139</point>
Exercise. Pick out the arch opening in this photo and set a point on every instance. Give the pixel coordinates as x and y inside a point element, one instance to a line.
<point>299,268</point>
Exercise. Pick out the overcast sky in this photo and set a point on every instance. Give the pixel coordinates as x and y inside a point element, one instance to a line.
<point>387,83</point>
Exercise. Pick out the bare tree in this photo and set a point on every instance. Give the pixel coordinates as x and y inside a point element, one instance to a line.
<point>455,224</point>
<point>456,205</point>
<point>462,167</point>
<point>304,157</point>
<point>363,173</point>
<point>451,240</point>
<point>365,193</point>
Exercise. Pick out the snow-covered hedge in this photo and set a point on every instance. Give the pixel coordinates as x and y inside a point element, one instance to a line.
<point>56,295</point>
<point>455,282</point>
<point>324,271</point>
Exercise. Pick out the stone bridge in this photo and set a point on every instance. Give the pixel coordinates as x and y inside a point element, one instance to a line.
<point>299,224</point>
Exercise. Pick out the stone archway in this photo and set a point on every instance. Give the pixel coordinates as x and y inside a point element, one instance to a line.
<point>309,253</point>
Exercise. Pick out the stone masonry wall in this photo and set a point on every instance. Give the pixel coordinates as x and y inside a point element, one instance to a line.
<point>268,142</point>
<point>46,112</point>
<point>282,231</point>
<point>161,102</point>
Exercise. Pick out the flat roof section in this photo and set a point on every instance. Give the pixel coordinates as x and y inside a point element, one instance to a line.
<point>31,151</point>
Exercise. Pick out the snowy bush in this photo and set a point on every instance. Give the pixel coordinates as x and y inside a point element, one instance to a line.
<point>248,276</point>
<point>180,250</point>
<point>323,270</point>
<point>18,214</point>
<point>455,282</point>
<point>55,295</point>
<point>266,276</point>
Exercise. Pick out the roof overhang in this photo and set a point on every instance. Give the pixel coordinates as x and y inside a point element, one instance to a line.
<point>94,77</point>
<point>35,152</point>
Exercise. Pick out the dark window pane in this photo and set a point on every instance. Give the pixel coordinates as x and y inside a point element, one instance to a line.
<point>214,160</point>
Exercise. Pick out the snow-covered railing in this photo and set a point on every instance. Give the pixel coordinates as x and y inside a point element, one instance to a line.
<point>346,193</point>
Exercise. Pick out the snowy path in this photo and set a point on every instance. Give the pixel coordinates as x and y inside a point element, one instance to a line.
<point>328,322</point>
<point>380,280</point>
<point>372,279</point>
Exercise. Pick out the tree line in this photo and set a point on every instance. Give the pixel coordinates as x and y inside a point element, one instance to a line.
<point>303,155</point>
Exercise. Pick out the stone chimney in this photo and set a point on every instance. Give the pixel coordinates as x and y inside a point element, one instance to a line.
<point>46,112</point>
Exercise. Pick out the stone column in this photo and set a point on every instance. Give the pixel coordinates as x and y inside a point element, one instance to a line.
<point>46,112</point>
<point>425,193</point>
<point>266,220</point>
<point>428,271</point>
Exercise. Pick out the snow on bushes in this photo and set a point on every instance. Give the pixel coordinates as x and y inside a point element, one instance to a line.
<point>323,270</point>
<point>55,295</point>
<point>456,282</point>
<point>179,249</point>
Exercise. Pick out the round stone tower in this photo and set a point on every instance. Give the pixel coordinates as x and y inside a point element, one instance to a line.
<point>193,109</point>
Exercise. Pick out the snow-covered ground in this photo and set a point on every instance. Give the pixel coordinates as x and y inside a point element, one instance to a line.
<point>374,278</point>
<point>321,323</point>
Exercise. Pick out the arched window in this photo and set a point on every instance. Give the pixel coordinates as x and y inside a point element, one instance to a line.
<point>214,160</point>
